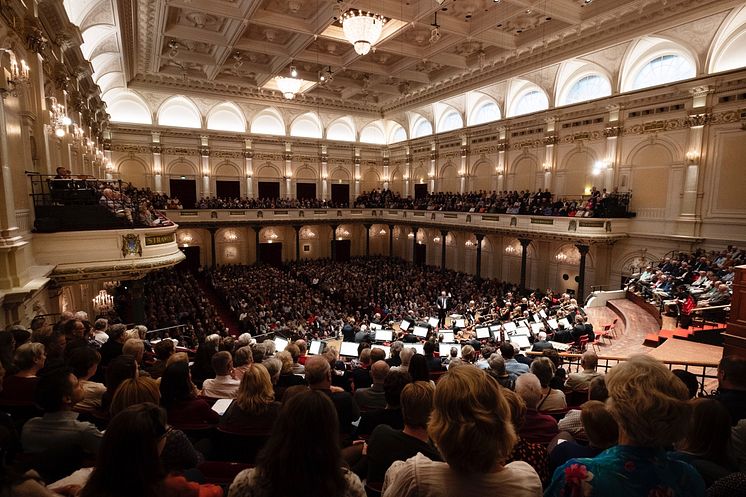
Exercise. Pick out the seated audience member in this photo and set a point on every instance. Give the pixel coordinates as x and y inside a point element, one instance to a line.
<point>705,445</point>
<point>468,409</point>
<point>373,397</point>
<point>542,343</point>
<point>394,354</point>
<point>202,368</point>
<point>418,369</point>
<point>113,346</point>
<point>83,361</point>
<point>242,361</point>
<point>600,429</point>
<point>254,410</point>
<point>224,385</point>
<point>560,375</point>
<point>360,374</point>
<point>689,379</point>
<point>99,331</point>
<point>433,363</point>
<point>581,381</point>
<point>57,393</point>
<point>317,468</point>
<point>650,406</point>
<point>387,444</point>
<point>511,365</point>
<point>287,378</point>
<point>136,348</point>
<point>319,378</point>
<point>571,422</point>
<point>163,350</point>
<point>7,349</point>
<point>537,427</point>
<point>731,390</point>
<point>294,352</point>
<point>532,453</point>
<point>551,399</point>
<point>303,352</point>
<point>405,355</point>
<point>179,398</point>
<point>178,453</point>
<point>390,415</point>
<point>498,371</point>
<point>28,359</point>
<point>274,366</point>
<point>120,369</point>
<point>129,462</point>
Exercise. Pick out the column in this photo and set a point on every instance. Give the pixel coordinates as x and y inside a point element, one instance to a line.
<point>248,157</point>
<point>550,139</point>
<point>213,260</point>
<point>289,193</point>
<point>324,158</point>
<point>334,241</point>
<point>433,160</point>
<point>698,119</point>
<point>464,163</point>
<point>356,160</point>
<point>583,249</point>
<point>367,227</point>
<point>391,240</point>
<point>415,229</point>
<point>502,146</point>
<point>297,241</point>
<point>155,148</point>
<point>407,173</point>
<point>525,242</point>
<point>612,132</point>
<point>11,262</point>
<point>385,161</point>
<point>257,246</point>
<point>480,237</point>
<point>443,236</point>
<point>204,152</point>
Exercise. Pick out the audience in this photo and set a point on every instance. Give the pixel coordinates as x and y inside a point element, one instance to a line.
<point>373,397</point>
<point>537,427</point>
<point>254,410</point>
<point>599,428</point>
<point>224,385</point>
<point>179,398</point>
<point>580,381</point>
<point>20,387</point>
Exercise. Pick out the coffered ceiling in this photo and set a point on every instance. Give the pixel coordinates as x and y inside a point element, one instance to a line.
<point>236,48</point>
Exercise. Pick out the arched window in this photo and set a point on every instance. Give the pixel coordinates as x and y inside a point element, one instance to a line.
<point>226,117</point>
<point>179,112</point>
<point>399,135</point>
<point>372,134</point>
<point>305,126</point>
<point>127,107</point>
<point>450,121</point>
<point>340,131</point>
<point>531,101</point>
<point>423,128</point>
<point>588,87</point>
<point>268,123</point>
<point>487,112</point>
<point>664,69</point>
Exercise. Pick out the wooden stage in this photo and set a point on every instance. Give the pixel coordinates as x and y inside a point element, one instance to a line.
<point>686,351</point>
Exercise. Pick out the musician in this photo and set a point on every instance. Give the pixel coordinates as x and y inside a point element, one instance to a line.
<point>471,312</point>
<point>542,343</point>
<point>443,303</point>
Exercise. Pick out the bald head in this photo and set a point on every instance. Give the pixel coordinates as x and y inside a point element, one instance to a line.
<point>318,371</point>
<point>379,370</point>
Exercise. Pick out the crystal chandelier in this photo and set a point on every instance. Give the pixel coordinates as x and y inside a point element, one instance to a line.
<point>362,29</point>
<point>288,86</point>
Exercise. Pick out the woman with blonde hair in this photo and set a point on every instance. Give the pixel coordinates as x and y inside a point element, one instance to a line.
<point>650,406</point>
<point>471,426</point>
<point>255,409</point>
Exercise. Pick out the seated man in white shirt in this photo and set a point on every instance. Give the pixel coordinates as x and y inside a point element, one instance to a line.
<point>224,385</point>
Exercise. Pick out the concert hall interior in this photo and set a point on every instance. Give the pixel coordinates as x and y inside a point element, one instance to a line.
<point>231,230</point>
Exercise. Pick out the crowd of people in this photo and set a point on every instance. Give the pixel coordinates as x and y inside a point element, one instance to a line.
<point>684,281</point>
<point>96,409</point>
<point>266,203</point>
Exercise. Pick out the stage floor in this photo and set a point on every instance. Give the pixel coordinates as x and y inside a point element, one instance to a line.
<point>684,350</point>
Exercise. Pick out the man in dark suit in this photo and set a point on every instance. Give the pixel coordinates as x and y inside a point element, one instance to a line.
<point>319,377</point>
<point>442,303</point>
<point>542,343</point>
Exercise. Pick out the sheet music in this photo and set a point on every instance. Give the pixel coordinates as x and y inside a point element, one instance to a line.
<point>509,326</point>
<point>536,327</point>
<point>565,322</point>
<point>444,349</point>
<point>404,325</point>
<point>221,405</point>
<point>433,322</point>
<point>552,323</point>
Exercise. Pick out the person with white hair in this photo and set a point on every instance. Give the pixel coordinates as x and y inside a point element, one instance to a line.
<point>244,339</point>
<point>541,343</point>
<point>537,427</point>
<point>406,355</point>
<point>81,316</point>
<point>99,331</point>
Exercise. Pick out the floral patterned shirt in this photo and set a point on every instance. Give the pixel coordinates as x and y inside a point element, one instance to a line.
<point>626,471</point>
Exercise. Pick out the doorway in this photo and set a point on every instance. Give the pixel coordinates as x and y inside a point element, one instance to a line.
<point>270,253</point>
<point>343,248</point>
<point>191,262</point>
<point>185,190</point>
<point>420,254</point>
<point>228,189</point>
<point>341,194</point>
<point>305,191</point>
<point>420,191</point>
<point>269,189</point>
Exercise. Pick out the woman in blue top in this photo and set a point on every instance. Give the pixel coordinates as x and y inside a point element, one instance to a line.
<point>650,405</point>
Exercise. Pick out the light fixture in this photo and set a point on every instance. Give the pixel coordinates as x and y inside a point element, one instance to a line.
<point>288,86</point>
<point>547,167</point>
<point>692,156</point>
<point>58,118</point>
<point>17,77</point>
<point>362,29</point>
<point>382,232</point>
<point>103,302</point>
<point>293,71</point>
<point>436,239</point>
<point>59,132</point>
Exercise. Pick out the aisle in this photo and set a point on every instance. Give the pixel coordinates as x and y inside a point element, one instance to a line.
<point>230,321</point>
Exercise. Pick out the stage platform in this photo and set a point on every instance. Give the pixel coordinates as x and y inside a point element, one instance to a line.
<point>685,351</point>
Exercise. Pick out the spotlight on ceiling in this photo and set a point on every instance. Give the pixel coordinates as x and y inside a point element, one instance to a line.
<point>293,71</point>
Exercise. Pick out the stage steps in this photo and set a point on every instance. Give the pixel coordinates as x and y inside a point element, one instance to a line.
<point>694,334</point>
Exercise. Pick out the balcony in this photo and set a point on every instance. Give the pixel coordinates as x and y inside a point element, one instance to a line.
<point>548,227</point>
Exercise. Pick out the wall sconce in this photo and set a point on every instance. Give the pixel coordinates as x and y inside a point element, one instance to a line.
<point>406,177</point>
<point>561,257</point>
<point>324,176</point>
<point>231,236</point>
<point>357,177</point>
<point>430,175</point>
<point>410,235</point>
<point>499,170</point>
<point>547,167</point>
<point>15,78</point>
<point>58,118</point>
<point>186,239</point>
<point>468,243</point>
<point>510,250</point>
<point>692,156</point>
<point>436,239</point>
<point>382,232</point>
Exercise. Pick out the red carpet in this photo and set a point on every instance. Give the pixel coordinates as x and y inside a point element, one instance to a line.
<point>225,313</point>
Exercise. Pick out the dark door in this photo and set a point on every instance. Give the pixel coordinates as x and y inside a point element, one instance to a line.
<point>420,254</point>
<point>192,258</point>
<point>305,191</point>
<point>271,253</point>
<point>228,189</point>
<point>420,191</point>
<point>185,190</point>
<point>340,194</point>
<point>269,189</point>
<point>342,248</point>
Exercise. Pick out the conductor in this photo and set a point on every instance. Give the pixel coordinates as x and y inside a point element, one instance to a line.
<point>443,303</point>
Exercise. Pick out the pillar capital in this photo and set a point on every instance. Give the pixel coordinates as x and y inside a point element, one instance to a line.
<point>444,233</point>
<point>297,227</point>
<point>525,242</point>
<point>415,229</point>
<point>479,236</point>
<point>582,248</point>
<point>367,225</point>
